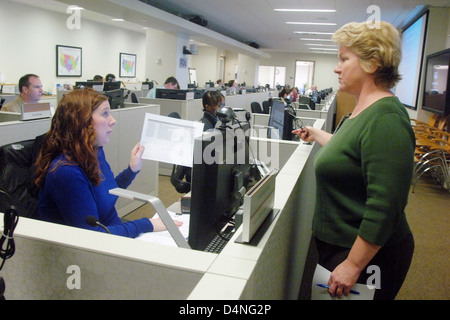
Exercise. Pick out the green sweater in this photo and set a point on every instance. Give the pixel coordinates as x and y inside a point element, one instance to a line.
<point>363,177</point>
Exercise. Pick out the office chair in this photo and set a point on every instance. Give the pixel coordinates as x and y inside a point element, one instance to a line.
<point>134,98</point>
<point>17,168</point>
<point>256,107</point>
<point>266,107</point>
<point>180,177</point>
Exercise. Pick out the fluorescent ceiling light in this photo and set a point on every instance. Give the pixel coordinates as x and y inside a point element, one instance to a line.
<point>325,49</point>
<point>305,10</point>
<point>323,52</point>
<point>117,19</point>
<point>75,7</point>
<point>312,32</point>
<point>313,39</point>
<point>320,44</point>
<point>314,23</point>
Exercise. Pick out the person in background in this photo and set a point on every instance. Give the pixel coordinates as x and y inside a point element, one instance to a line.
<point>294,94</point>
<point>219,83</point>
<point>311,90</point>
<point>170,83</point>
<point>72,172</point>
<point>363,178</point>
<point>98,78</point>
<point>212,101</point>
<point>232,87</point>
<point>30,88</point>
<point>110,77</point>
<point>285,95</point>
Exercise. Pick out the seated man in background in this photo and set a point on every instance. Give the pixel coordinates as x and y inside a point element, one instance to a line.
<point>30,88</point>
<point>170,83</point>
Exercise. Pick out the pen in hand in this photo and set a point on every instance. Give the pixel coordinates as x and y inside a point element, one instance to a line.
<point>328,287</point>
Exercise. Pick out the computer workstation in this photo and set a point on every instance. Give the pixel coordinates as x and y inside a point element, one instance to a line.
<point>111,89</point>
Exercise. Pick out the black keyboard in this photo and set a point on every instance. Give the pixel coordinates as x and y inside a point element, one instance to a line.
<point>218,242</point>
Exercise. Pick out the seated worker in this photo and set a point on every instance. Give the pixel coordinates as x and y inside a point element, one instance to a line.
<point>72,172</point>
<point>294,94</point>
<point>311,90</point>
<point>170,83</point>
<point>285,95</point>
<point>98,78</point>
<point>30,88</point>
<point>232,87</point>
<point>212,100</point>
<point>110,77</point>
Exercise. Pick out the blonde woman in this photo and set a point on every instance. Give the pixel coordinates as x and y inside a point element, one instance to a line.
<point>364,169</point>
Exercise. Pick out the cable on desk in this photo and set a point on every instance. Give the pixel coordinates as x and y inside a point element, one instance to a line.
<point>7,246</point>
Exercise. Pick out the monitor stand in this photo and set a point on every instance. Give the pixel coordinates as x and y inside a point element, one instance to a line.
<point>160,209</point>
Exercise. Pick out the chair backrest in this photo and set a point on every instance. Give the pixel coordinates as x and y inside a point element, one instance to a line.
<point>17,177</point>
<point>266,107</point>
<point>256,107</point>
<point>134,98</point>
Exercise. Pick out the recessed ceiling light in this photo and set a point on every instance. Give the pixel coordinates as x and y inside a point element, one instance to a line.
<point>117,19</point>
<point>305,10</point>
<point>314,23</point>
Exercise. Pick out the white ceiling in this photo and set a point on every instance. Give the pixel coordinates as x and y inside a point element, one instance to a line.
<point>243,21</point>
<point>256,20</point>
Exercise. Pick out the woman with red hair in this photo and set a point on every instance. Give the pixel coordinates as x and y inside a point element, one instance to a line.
<point>72,171</point>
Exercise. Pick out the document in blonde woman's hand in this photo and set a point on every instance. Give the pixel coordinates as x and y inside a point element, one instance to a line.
<point>319,288</point>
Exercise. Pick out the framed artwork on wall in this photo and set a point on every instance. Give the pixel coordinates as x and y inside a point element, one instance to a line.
<point>68,61</point>
<point>127,67</point>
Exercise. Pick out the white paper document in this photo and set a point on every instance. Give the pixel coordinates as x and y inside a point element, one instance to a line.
<point>321,276</point>
<point>164,237</point>
<point>170,140</point>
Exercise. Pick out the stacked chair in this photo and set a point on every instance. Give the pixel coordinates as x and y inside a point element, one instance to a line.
<point>432,154</point>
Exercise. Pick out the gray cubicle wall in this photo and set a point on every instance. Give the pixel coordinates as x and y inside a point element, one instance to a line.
<point>53,261</point>
<point>58,262</point>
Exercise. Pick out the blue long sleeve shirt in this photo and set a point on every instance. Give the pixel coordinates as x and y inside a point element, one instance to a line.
<point>68,196</point>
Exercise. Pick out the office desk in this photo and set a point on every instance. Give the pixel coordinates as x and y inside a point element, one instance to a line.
<point>193,109</point>
<point>113,267</point>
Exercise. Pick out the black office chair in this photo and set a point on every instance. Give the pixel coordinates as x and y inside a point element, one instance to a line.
<point>256,107</point>
<point>134,98</point>
<point>266,107</point>
<point>17,169</point>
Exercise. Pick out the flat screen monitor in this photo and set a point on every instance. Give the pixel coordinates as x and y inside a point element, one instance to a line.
<point>436,97</point>
<point>220,175</point>
<point>115,98</point>
<point>111,85</point>
<point>281,119</point>
<point>89,84</point>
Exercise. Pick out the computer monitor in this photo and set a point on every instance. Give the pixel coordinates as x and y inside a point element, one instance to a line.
<point>115,98</point>
<point>307,100</point>
<point>111,85</point>
<point>89,84</point>
<point>281,120</point>
<point>221,174</point>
